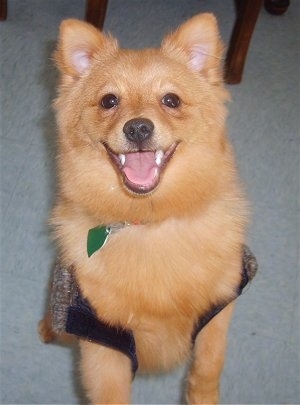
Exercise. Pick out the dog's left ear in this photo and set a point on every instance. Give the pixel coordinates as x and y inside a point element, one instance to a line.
<point>199,40</point>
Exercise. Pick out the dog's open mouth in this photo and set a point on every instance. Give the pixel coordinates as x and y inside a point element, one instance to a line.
<point>141,170</point>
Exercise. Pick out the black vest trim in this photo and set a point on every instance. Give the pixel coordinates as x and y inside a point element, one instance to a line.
<point>83,322</point>
<point>249,269</point>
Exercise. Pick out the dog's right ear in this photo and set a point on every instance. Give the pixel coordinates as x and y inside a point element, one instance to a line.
<point>77,45</point>
<point>199,40</point>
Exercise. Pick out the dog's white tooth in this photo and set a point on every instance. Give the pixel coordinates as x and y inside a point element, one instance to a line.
<point>159,154</point>
<point>122,159</point>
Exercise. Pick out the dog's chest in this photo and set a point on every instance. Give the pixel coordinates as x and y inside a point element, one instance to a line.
<point>154,272</point>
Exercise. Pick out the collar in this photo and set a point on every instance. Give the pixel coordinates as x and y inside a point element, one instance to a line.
<point>98,236</point>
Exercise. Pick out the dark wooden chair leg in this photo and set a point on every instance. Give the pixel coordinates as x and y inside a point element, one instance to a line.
<point>247,14</point>
<point>95,12</point>
<point>3,10</point>
<point>276,7</point>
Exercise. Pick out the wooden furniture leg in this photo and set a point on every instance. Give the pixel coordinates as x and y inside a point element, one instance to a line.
<point>3,10</point>
<point>247,13</point>
<point>277,7</point>
<point>95,12</point>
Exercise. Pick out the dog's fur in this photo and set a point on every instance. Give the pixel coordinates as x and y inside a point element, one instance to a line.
<point>182,252</point>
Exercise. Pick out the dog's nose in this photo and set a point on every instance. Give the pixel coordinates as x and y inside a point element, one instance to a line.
<point>138,129</point>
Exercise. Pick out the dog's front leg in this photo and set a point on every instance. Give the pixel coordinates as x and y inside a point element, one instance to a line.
<point>209,354</point>
<point>106,374</point>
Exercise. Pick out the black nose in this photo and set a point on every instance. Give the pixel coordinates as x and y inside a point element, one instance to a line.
<point>138,129</point>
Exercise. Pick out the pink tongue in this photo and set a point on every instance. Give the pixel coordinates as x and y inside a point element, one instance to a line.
<point>140,168</point>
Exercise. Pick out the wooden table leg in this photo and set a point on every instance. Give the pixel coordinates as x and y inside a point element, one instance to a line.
<point>95,12</point>
<point>247,14</point>
<point>277,7</point>
<point>3,10</point>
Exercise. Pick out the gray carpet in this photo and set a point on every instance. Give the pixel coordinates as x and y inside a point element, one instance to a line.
<point>262,366</point>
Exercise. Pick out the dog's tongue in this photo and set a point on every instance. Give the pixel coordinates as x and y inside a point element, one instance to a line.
<point>140,168</point>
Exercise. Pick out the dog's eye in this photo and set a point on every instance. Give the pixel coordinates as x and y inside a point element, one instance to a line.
<point>109,101</point>
<point>171,100</point>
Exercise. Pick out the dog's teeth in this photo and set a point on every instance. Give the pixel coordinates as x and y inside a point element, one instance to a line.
<point>122,159</point>
<point>159,154</point>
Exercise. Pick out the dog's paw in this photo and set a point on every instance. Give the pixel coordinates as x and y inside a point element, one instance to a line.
<point>194,397</point>
<point>202,400</point>
<point>45,331</point>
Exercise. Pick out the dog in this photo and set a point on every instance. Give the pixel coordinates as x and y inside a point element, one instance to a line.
<point>150,213</point>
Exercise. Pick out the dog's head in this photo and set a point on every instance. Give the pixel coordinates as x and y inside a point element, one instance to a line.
<point>141,131</point>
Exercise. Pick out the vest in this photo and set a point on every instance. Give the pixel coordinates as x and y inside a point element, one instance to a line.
<point>73,314</point>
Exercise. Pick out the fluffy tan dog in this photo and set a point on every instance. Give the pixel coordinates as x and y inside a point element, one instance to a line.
<point>142,143</point>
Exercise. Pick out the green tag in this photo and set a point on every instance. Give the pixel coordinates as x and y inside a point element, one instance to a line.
<point>97,238</point>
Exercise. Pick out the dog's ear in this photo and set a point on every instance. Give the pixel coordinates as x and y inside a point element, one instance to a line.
<point>199,40</point>
<point>77,45</point>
